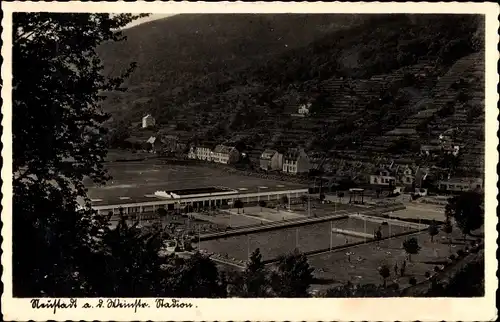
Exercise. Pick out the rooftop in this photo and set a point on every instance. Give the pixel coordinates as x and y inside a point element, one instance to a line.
<point>104,197</point>
<point>268,154</point>
<point>197,191</point>
<point>223,149</point>
<point>462,180</point>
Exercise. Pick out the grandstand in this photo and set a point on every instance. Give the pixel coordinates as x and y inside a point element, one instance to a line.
<point>198,198</point>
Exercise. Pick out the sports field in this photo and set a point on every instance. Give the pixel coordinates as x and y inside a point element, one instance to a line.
<point>422,211</point>
<point>137,179</point>
<point>365,259</point>
<point>224,219</point>
<point>265,214</point>
<point>306,238</point>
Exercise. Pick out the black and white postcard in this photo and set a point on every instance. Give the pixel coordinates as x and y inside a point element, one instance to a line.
<point>185,161</point>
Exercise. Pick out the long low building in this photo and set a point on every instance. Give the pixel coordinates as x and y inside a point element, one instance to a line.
<point>196,198</point>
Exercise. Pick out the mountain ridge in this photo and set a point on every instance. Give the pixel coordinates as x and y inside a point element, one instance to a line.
<point>365,74</point>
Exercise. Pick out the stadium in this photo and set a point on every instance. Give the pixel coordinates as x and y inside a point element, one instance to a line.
<point>197,198</point>
<point>143,188</point>
<point>338,238</point>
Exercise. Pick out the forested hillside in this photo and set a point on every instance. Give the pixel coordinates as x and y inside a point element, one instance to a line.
<point>174,52</point>
<point>365,76</point>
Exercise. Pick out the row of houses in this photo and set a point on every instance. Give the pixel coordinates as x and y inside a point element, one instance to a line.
<point>417,177</point>
<point>400,175</point>
<point>293,161</point>
<point>297,161</point>
<point>220,154</point>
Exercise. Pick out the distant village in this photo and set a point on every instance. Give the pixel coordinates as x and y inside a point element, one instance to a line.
<point>297,161</point>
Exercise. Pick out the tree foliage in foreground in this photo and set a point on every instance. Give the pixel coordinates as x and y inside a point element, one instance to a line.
<point>58,141</point>
<point>292,276</point>
<point>255,277</point>
<point>467,210</point>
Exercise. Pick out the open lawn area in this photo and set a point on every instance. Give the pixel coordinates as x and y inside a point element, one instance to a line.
<point>137,179</point>
<point>265,214</point>
<point>319,209</point>
<point>415,210</point>
<point>225,219</point>
<point>120,155</point>
<point>334,267</point>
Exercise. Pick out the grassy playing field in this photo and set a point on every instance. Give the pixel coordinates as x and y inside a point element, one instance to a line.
<point>133,179</point>
<point>365,259</point>
<point>265,214</point>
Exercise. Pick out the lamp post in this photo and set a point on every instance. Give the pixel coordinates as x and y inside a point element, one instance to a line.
<point>331,234</point>
<point>248,246</point>
<point>390,235</point>
<point>297,238</point>
<point>308,205</point>
<point>365,227</point>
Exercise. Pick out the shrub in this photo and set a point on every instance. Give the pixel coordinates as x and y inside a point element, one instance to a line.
<point>187,246</point>
<point>452,257</point>
<point>413,281</point>
<point>460,253</point>
<point>427,274</point>
<point>436,269</point>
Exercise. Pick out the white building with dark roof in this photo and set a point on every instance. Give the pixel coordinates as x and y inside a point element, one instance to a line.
<point>148,121</point>
<point>461,184</point>
<point>383,177</point>
<point>296,161</point>
<point>203,152</point>
<point>225,154</point>
<point>271,160</point>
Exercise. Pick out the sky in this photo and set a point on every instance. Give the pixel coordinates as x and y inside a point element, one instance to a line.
<point>147,19</point>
